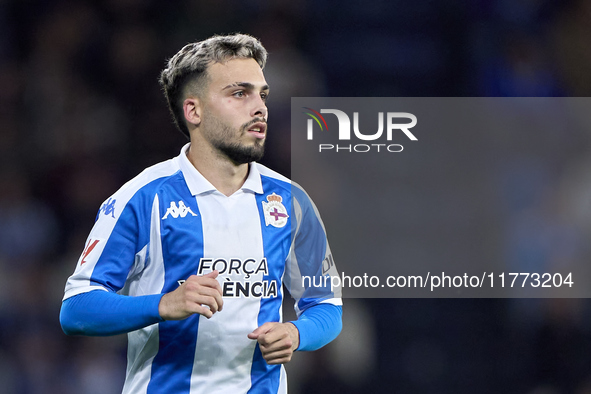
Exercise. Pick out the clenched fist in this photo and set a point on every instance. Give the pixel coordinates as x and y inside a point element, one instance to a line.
<point>277,341</point>
<point>199,294</point>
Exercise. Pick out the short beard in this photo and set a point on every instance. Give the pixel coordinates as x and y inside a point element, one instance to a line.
<point>221,140</point>
<point>242,154</point>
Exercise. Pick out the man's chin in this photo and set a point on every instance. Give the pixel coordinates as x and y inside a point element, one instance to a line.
<point>243,155</point>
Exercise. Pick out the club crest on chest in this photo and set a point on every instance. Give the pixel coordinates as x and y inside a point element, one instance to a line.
<point>275,212</point>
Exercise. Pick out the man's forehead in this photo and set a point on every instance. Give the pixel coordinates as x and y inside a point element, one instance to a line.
<point>236,71</point>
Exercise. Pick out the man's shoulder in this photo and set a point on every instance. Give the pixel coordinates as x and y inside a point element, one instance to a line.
<point>269,173</point>
<point>295,189</point>
<point>149,181</point>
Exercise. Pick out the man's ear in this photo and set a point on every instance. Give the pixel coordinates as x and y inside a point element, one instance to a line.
<point>192,110</point>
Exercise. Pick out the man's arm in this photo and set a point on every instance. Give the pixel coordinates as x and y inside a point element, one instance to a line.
<point>319,309</point>
<point>103,313</point>
<point>319,325</point>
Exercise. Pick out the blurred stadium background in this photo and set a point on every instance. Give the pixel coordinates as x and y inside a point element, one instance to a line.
<point>81,113</point>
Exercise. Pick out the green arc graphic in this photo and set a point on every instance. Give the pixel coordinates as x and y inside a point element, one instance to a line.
<point>316,119</point>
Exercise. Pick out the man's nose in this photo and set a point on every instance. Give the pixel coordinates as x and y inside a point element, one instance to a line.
<point>260,109</point>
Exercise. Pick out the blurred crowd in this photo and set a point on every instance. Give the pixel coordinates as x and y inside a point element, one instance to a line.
<point>81,112</point>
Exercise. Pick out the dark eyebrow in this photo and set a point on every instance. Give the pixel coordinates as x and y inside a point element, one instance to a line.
<point>246,85</point>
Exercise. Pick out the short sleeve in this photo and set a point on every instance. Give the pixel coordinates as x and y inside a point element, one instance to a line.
<point>116,245</point>
<point>310,264</point>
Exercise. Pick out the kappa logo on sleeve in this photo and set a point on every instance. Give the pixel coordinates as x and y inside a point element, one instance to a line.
<point>275,212</point>
<point>108,208</point>
<point>175,211</point>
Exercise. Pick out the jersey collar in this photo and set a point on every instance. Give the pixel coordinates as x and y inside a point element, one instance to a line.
<point>253,181</point>
<point>198,184</point>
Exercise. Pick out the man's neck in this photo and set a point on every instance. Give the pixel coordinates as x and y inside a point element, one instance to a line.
<point>226,176</point>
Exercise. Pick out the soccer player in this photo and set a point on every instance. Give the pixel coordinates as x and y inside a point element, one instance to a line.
<point>189,257</point>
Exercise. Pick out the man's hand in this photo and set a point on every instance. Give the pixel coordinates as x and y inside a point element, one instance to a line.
<point>277,341</point>
<point>199,294</point>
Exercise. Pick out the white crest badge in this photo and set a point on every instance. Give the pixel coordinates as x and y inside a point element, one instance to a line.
<point>275,213</point>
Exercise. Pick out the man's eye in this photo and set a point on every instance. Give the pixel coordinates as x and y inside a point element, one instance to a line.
<point>264,96</point>
<point>240,93</point>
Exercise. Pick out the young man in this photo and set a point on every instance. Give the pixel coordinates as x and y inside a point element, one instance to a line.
<point>189,257</point>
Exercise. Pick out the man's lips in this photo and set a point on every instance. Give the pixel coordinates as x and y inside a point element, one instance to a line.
<point>258,130</point>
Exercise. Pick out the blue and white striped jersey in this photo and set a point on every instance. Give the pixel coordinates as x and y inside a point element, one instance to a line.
<point>169,223</point>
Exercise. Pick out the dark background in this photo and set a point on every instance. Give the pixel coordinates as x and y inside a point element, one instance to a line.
<point>81,113</point>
